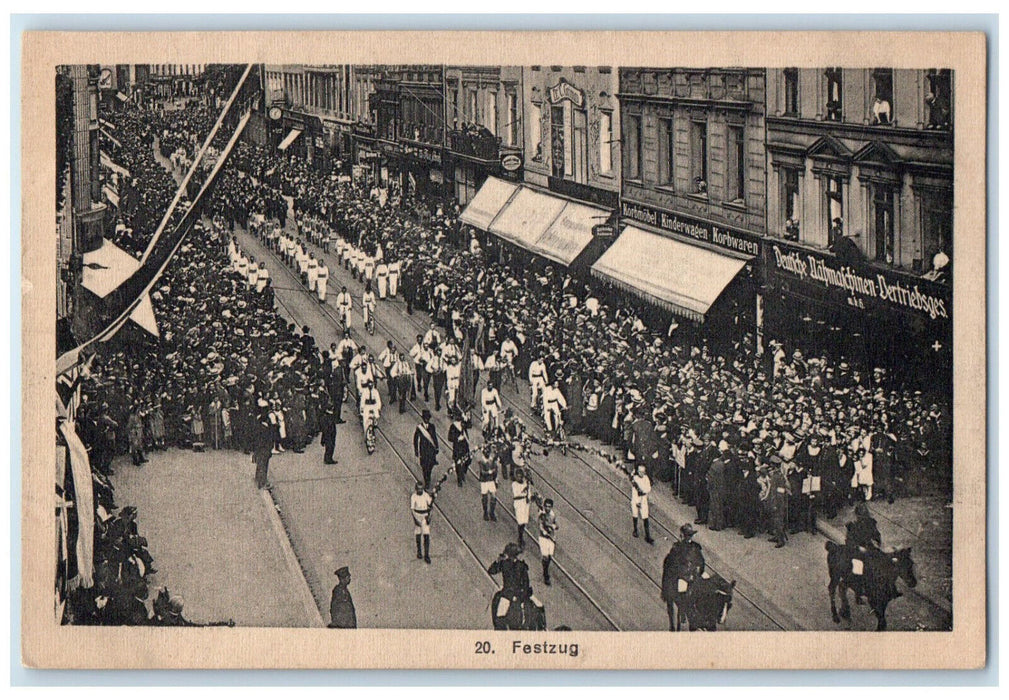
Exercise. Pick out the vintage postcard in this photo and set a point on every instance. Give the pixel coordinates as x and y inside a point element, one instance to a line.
<point>544,350</point>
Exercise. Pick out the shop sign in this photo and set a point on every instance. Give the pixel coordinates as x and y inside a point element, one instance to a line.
<point>428,155</point>
<point>703,231</point>
<point>511,162</point>
<point>564,90</point>
<point>859,286</point>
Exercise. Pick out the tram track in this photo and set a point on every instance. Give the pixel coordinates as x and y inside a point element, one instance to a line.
<point>404,462</point>
<point>533,422</point>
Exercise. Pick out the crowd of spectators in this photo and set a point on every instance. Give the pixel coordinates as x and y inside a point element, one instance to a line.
<point>770,420</point>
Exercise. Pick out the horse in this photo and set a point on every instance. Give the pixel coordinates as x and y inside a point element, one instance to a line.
<point>869,573</point>
<point>708,603</point>
<point>682,567</point>
<point>515,613</point>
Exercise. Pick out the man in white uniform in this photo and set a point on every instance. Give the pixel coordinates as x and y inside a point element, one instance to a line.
<point>344,304</point>
<point>394,272</point>
<point>521,496</point>
<point>537,380</point>
<point>322,279</point>
<point>382,278</point>
<point>420,508</point>
<point>553,404</point>
<point>641,486</point>
<point>490,403</point>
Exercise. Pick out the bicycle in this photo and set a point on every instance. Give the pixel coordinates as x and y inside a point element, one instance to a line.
<point>558,434</point>
<point>368,423</point>
<point>369,320</point>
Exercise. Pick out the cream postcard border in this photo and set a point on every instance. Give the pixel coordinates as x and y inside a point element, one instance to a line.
<point>48,645</point>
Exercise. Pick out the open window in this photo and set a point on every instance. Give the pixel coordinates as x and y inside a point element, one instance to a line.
<point>833,87</point>
<point>939,98</point>
<point>791,79</point>
<point>882,100</point>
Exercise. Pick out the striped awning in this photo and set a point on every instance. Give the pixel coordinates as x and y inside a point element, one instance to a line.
<point>289,139</point>
<point>489,200</point>
<point>683,278</point>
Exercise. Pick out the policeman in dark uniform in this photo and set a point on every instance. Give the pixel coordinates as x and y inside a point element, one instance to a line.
<point>341,606</point>
<point>682,566</point>
<point>514,573</point>
<point>327,424</point>
<point>863,531</point>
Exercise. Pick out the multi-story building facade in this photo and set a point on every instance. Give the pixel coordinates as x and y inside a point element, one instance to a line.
<point>572,127</point>
<point>570,182</point>
<point>313,107</point>
<point>693,181</point>
<point>860,207</point>
<point>484,116</point>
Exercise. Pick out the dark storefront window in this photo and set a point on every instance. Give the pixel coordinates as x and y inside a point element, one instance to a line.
<point>791,76</point>
<point>736,175</point>
<point>699,156</point>
<point>632,146</point>
<point>833,110</point>
<point>666,156</point>
<point>882,222</point>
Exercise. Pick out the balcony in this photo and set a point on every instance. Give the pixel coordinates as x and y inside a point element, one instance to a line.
<point>421,133</point>
<point>475,141</point>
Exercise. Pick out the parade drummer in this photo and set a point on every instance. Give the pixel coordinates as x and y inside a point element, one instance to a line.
<point>521,496</point>
<point>421,502</point>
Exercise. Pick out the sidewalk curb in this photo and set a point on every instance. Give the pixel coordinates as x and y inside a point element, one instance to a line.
<point>305,592</point>
<point>836,535</point>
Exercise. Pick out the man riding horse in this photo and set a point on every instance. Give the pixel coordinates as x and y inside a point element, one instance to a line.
<point>514,606</point>
<point>682,567</point>
<point>861,565</point>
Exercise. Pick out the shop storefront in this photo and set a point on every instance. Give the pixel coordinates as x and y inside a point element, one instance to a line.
<point>870,316</point>
<point>697,270</point>
<point>558,230</point>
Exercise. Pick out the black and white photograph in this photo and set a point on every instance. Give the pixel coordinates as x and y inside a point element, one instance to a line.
<point>513,348</point>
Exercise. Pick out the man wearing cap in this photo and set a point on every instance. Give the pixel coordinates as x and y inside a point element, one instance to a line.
<point>327,428</point>
<point>382,279</point>
<point>425,446</point>
<point>682,566</point>
<point>388,358</point>
<point>421,501</point>
<point>548,536</point>
<point>342,614</point>
<point>458,437</point>
<point>775,497</point>
<point>515,586</point>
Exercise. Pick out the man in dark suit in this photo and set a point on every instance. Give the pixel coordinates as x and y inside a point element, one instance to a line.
<point>425,446</point>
